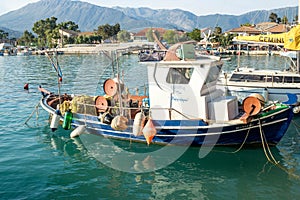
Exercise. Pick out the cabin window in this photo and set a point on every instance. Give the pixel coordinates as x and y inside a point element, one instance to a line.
<point>213,74</point>
<point>277,79</point>
<point>179,75</point>
<point>288,79</point>
<point>296,80</point>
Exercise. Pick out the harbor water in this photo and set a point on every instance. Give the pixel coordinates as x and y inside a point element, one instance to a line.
<point>36,163</point>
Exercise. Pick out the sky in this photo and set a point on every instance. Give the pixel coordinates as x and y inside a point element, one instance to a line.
<point>198,7</point>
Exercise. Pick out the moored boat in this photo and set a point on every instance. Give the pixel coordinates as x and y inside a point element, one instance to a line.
<point>276,85</point>
<point>182,107</point>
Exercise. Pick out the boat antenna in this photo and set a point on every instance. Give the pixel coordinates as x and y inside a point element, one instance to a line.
<point>119,84</point>
<point>58,71</point>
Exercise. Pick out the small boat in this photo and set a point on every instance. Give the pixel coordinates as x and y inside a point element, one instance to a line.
<point>150,55</point>
<point>275,85</point>
<point>23,51</point>
<point>182,107</point>
<point>7,49</point>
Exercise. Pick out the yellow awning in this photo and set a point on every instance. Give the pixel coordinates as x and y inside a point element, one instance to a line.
<point>290,40</point>
<point>272,39</point>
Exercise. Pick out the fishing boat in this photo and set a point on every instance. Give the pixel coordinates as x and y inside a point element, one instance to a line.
<point>275,85</point>
<point>182,107</point>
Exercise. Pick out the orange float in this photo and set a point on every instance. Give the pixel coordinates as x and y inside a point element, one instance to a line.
<point>253,104</point>
<point>102,104</point>
<point>111,87</point>
<point>149,131</point>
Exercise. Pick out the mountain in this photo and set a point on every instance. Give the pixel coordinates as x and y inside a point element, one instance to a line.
<point>89,16</point>
<point>12,33</point>
<point>188,21</point>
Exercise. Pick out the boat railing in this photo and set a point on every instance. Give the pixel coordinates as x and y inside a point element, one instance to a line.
<point>129,112</point>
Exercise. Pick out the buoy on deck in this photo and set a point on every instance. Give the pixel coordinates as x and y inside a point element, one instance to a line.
<point>111,86</point>
<point>67,120</point>
<point>253,104</point>
<point>119,123</point>
<point>55,121</point>
<point>149,131</point>
<point>78,131</point>
<point>26,86</point>
<point>102,103</point>
<point>138,124</point>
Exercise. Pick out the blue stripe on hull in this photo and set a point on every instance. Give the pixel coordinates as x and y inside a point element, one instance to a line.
<point>196,133</point>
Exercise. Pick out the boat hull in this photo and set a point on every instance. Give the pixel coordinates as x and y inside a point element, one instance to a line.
<point>271,127</point>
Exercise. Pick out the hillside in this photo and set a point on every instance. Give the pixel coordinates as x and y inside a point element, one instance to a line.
<point>89,16</point>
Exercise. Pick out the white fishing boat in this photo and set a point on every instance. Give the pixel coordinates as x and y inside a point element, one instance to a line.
<point>275,85</point>
<point>182,107</point>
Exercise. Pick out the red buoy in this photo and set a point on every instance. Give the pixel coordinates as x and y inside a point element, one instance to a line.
<point>26,86</point>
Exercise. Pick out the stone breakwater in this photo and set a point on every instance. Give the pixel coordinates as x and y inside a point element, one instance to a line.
<point>96,49</point>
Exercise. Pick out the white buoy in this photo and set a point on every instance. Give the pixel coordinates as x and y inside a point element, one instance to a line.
<point>119,123</point>
<point>138,124</point>
<point>54,122</point>
<point>77,131</point>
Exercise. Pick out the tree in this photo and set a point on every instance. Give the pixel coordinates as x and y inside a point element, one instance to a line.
<point>278,20</point>
<point>3,35</point>
<point>149,35</point>
<point>183,37</point>
<point>69,25</point>
<point>217,34</point>
<point>195,35</point>
<point>217,31</point>
<point>123,36</point>
<point>107,31</point>
<point>285,20</point>
<point>26,39</point>
<point>273,17</point>
<point>295,20</point>
<point>169,36</point>
<point>46,31</point>
<point>226,40</point>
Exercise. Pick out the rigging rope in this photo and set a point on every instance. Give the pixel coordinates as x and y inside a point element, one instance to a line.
<point>273,160</point>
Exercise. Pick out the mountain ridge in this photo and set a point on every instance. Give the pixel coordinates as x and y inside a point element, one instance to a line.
<point>89,16</point>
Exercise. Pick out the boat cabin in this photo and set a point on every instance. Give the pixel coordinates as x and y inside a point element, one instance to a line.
<point>186,89</point>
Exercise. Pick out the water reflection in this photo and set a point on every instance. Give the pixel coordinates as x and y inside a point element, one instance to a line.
<point>221,174</point>
<point>243,175</point>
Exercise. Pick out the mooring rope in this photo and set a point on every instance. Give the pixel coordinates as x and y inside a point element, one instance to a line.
<point>238,149</point>
<point>36,108</point>
<point>266,146</point>
<point>272,159</point>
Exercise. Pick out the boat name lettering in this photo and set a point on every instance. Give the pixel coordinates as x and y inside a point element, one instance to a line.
<point>179,99</point>
<point>242,127</point>
<point>271,39</point>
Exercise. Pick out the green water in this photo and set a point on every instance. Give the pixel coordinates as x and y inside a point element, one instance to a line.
<point>36,163</point>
